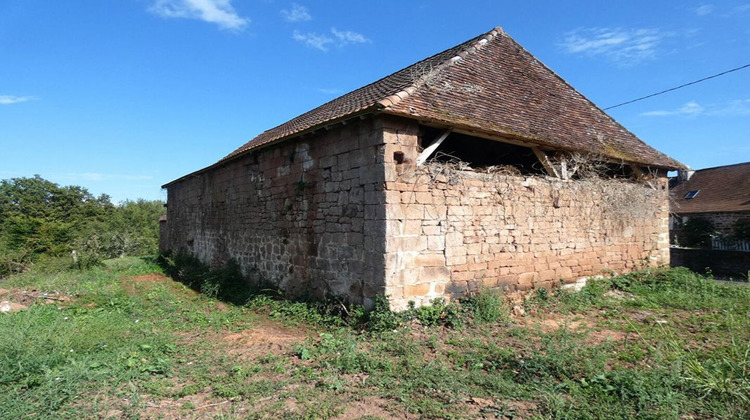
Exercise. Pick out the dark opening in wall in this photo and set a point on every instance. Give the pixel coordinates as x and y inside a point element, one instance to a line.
<point>480,153</point>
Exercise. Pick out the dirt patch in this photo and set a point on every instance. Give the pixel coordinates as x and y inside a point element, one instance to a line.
<point>195,406</point>
<point>262,339</point>
<point>369,407</point>
<point>149,278</point>
<point>519,410</point>
<point>640,316</point>
<point>588,326</point>
<point>502,409</point>
<point>551,322</point>
<point>135,285</point>
<point>9,307</point>
<point>191,407</point>
<point>600,336</point>
<point>26,298</point>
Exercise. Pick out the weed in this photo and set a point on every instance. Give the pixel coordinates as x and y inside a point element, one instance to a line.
<point>685,352</point>
<point>438,313</point>
<point>487,306</point>
<point>227,284</point>
<point>381,318</point>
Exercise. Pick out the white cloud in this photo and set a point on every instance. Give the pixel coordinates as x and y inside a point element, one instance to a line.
<point>313,40</point>
<point>322,41</point>
<point>10,99</point>
<point>348,37</point>
<point>219,12</point>
<point>737,107</point>
<point>704,9</point>
<point>298,13</point>
<point>689,109</point>
<point>622,46</point>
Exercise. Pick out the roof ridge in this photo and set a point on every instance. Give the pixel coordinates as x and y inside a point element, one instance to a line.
<point>425,76</point>
<point>721,166</point>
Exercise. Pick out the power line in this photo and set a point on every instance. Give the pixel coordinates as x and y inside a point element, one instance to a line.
<point>678,87</point>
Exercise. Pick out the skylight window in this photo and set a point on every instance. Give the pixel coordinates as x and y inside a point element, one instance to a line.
<point>692,194</point>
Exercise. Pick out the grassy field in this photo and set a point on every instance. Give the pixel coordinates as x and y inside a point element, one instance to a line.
<point>125,341</point>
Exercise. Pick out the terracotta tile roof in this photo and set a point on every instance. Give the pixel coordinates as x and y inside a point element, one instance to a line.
<point>721,189</point>
<point>488,84</point>
<point>362,99</point>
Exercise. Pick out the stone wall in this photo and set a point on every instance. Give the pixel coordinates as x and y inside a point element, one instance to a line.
<point>347,212</point>
<point>163,234</point>
<point>451,231</point>
<point>305,215</point>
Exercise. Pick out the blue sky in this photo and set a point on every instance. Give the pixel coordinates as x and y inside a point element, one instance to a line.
<point>122,96</point>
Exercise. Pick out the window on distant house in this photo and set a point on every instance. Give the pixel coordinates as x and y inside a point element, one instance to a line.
<point>692,194</point>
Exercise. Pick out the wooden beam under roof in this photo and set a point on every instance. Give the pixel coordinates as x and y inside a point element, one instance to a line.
<point>551,171</point>
<point>426,153</point>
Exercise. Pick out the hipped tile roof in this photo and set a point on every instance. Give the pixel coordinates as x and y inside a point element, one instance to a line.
<point>491,85</point>
<point>722,189</point>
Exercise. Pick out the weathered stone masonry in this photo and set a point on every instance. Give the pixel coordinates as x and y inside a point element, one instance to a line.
<point>305,215</point>
<point>334,202</point>
<point>451,231</point>
<point>336,213</point>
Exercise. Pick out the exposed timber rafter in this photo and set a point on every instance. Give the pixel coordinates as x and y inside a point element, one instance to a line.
<point>544,159</point>
<point>426,153</point>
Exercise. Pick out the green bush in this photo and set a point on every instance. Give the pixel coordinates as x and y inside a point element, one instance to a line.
<point>697,231</point>
<point>227,284</point>
<point>487,306</point>
<point>741,230</point>
<point>381,318</point>
<point>437,313</point>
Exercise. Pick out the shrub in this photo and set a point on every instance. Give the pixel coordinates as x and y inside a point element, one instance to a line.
<point>697,231</point>
<point>381,318</point>
<point>487,306</point>
<point>226,284</point>
<point>741,230</point>
<point>438,313</point>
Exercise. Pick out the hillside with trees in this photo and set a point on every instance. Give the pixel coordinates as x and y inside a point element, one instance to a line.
<point>41,221</point>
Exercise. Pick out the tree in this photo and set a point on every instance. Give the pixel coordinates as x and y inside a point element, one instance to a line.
<point>39,217</point>
<point>697,231</point>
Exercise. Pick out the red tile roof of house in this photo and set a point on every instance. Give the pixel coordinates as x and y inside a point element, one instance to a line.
<point>491,85</point>
<point>720,189</point>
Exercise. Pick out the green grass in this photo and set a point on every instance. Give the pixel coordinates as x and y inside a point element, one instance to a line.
<point>653,344</point>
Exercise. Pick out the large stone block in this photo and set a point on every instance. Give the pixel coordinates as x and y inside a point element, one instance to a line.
<point>430,260</point>
<point>434,275</point>
<point>528,279</point>
<point>416,290</point>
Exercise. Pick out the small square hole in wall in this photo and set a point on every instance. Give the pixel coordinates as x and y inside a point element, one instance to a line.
<point>692,194</point>
<point>398,157</point>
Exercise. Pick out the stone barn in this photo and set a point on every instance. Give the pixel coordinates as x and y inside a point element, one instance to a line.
<point>476,167</point>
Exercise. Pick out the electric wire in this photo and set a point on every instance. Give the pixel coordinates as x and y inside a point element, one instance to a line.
<point>678,87</point>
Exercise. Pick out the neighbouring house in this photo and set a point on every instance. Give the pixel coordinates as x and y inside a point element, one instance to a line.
<point>720,196</point>
<point>710,220</point>
<point>476,167</point>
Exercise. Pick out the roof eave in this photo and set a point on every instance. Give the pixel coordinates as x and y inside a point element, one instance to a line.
<point>521,140</point>
<point>363,113</point>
